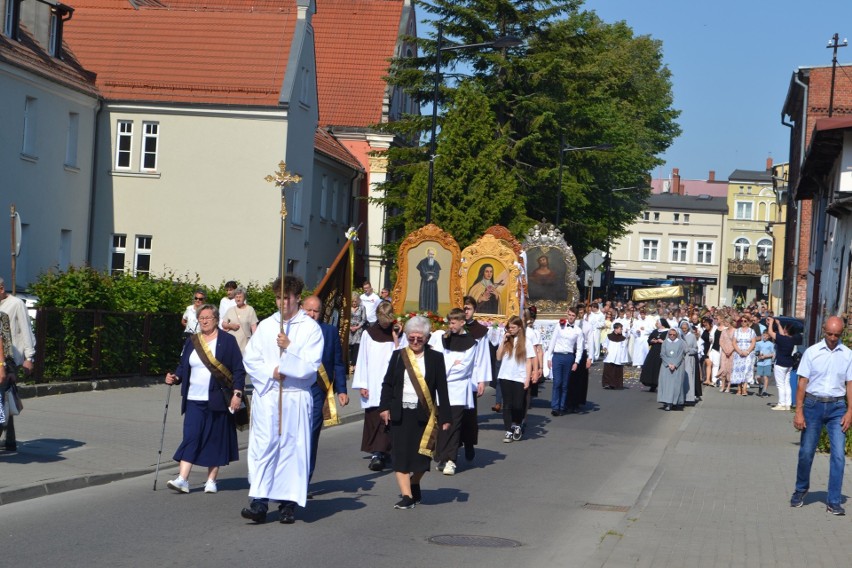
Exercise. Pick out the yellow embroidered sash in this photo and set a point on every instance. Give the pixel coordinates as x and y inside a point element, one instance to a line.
<point>430,434</point>
<point>329,408</point>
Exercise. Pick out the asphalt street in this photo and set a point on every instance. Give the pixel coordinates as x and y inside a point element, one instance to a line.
<point>622,484</point>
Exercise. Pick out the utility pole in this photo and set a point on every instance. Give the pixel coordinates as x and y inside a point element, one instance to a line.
<point>834,44</point>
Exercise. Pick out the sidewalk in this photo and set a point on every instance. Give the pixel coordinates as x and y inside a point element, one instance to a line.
<point>720,497</point>
<point>81,439</point>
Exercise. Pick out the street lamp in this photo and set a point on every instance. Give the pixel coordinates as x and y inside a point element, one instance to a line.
<point>567,148</point>
<point>501,42</point>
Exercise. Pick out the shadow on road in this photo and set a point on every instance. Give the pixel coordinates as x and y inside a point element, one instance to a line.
<point>44,450</point>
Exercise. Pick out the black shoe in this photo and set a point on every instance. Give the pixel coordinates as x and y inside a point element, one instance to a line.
<point>377,463</point>
<point>834,509</point>
<point>555,413</point>
<point>415,493</point>
<point>287,513</point>
<point>469,452</point>
<point>255,512</point>
<point>405,503</point>
<point>311,494</point>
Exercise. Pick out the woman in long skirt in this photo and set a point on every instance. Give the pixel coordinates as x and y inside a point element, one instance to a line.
<point>651,367</point>
<point>672,389</point>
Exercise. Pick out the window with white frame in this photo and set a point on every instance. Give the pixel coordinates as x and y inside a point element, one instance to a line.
<point>679,250</point>
<point>28,147</point>
<point>704,253</point>
<point>650,249</point>
<point>142,260</point>
<point>52,48</point>
<point>335,200</point>
<point>646,215</point>
<point>150,143</point>
<point>741,246</point>
<point>9,18</point>
<point>764,248</point>
<point>744,210</point>
<point>324,197</point>
<point>677,217</point>
<point>123,144</point>
<point>294,194</point>
<point>117,254</point>
<point>71,139</point>
<point>656,216</point>
<point>686,217</point>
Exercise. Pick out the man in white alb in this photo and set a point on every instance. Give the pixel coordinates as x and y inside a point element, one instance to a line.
<point>282,360</point>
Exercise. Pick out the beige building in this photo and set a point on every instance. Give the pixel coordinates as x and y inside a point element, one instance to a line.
<point>749,237</point>
<point>675,240</point>
<point>48,104</point>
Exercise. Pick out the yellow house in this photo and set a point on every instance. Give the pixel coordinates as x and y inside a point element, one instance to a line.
<point>750,233</point>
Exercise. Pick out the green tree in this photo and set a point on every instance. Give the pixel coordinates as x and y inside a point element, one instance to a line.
<point>575,77</point>
<point>470,193</point>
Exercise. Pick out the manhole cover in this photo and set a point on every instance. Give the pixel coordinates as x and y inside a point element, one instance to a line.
<point>473,540</point>
<point>607,508</point>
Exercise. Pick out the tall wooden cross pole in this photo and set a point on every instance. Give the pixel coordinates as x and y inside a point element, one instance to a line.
<point>282,180</point>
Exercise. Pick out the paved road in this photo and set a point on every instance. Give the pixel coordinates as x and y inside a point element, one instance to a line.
<point>621,485</point>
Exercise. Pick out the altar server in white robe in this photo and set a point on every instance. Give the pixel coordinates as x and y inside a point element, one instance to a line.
<point>641,329</point>
<point>377,345</point>
<point>282,367</point>
<point>460,350</point>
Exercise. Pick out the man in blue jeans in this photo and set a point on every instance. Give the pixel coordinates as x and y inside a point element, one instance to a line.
<point>564,350</point>
<point>824,399</point>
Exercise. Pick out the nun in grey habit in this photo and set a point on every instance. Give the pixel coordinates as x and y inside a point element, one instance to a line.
<point>673,380</point>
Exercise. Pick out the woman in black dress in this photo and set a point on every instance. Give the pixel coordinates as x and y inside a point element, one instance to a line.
<point>651,368</point>
<point>415,381</point>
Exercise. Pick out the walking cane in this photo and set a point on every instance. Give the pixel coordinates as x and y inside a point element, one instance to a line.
<point>162,436</point>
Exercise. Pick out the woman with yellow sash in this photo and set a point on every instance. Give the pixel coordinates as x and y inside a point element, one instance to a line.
<point>415,383</point>
<point>212,377</point>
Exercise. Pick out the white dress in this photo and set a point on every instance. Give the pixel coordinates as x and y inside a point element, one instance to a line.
<point>278,465</point>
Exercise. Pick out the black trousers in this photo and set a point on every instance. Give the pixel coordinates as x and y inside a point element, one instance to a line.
<point>514,402</point>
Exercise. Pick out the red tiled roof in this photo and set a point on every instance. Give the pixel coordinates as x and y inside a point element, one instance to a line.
<point>213,51</point>
<point>355,40</point>
<point>29,55</point>
<point>327,144</point>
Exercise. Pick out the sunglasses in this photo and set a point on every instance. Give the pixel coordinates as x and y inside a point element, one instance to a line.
<point>416,339</point>
<point>199,299</point>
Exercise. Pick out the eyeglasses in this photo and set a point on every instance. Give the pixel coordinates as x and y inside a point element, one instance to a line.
<point>206,318</point>
<point>416,339</point>
<point>198,299</point>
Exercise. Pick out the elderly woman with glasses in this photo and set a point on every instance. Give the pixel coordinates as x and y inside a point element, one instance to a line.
<point>212,379</point>
<point>415,381</point>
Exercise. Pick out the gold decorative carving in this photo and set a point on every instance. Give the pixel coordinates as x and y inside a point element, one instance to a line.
<point>378,163</point>
<point>415,247</point>
<point>497,297</point>
<point>503,233</point>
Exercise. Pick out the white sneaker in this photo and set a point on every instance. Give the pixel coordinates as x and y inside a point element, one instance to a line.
<point>516,432</point>
<point>780,407</point>
<point>210,486</point>
<point>180,485</point>
<point>507,439</point>
<point>450,468</point>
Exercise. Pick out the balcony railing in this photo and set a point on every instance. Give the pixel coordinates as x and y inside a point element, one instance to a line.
<point>746,267</point>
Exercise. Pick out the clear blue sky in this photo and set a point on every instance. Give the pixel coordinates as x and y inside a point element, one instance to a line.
<point>731,63</point>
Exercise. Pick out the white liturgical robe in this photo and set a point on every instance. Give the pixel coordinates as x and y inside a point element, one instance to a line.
<point>278,465</point>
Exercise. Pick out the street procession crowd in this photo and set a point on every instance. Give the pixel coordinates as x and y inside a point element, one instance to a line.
<point>418,386</point>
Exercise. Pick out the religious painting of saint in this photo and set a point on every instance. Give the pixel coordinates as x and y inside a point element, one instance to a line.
<point>427,260</point>
<point>487,284</point>
<point>546,268</point>
<point>430,271</point>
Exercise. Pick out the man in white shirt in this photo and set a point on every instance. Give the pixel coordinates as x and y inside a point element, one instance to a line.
<point>824,398</point>
<point>596,321</point>
<point>23,347</point>
<point>228,301</point>
<point>370,301</point>
<point>563,352</point>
